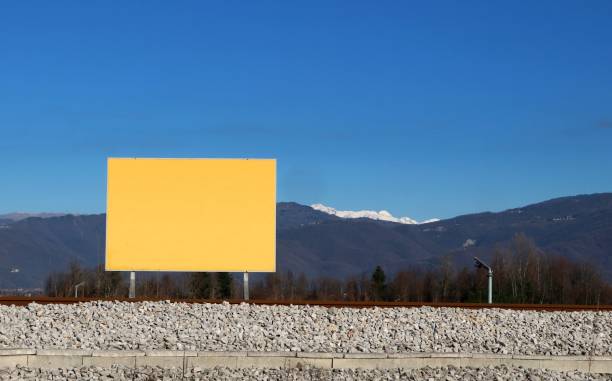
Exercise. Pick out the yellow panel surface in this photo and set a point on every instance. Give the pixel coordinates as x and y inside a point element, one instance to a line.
<point>191,215</point>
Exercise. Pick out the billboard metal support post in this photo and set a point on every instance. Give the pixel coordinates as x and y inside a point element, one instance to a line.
<point>132,285</point>
<point>245,284</point>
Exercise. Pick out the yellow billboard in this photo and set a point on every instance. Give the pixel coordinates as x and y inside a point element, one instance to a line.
<point>191,215</point>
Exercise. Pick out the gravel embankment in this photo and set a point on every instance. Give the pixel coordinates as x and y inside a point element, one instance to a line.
<point>164,325</point>
<point>498,373</point>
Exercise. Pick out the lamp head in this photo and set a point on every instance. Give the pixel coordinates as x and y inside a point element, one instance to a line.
<point>480,264</point>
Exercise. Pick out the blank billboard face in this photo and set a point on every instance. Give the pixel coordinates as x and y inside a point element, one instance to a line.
<point>191,215</point>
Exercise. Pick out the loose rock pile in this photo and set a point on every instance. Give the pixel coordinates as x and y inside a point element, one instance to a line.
<point>147,373</point>
<point>225,327</point>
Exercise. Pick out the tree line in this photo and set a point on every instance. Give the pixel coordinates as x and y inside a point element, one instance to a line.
<point>109,284</point>
<point>522,273</point>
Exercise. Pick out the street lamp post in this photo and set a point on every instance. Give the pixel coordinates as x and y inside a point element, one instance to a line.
<point>481,265</point>
<point>76,288</point>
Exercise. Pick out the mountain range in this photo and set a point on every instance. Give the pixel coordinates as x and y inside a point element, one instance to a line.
<point>18,216</point>
<point>323,244</point>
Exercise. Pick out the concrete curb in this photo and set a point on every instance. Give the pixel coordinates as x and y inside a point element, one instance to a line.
<point>69,358</point>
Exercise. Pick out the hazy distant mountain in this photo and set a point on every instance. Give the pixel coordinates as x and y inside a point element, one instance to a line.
<point>18,216</point>
<point>31,248</point>
<point>319,243</point>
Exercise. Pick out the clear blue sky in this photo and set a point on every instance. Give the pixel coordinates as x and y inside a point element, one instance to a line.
<point>428,110</point>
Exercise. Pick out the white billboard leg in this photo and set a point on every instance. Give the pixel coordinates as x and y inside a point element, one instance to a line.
<point>246,285</point>
<point>132,285</point>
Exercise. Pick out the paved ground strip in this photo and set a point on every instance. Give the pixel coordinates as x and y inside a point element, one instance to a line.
<point>187,360</point>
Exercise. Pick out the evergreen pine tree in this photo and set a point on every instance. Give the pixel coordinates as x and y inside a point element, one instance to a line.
<point>200,285</point>
<point>378,283</point>
<point>224,284</point>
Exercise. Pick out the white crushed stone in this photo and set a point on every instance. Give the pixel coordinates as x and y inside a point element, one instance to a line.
<point>225,327</point>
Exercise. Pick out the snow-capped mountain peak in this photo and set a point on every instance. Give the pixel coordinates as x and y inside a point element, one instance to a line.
<point>382,215</point>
